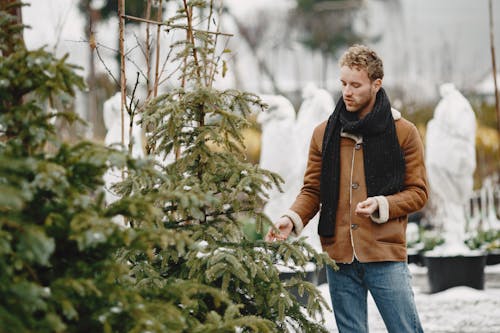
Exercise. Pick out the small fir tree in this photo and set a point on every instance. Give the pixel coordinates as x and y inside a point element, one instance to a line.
<point>211,192</point>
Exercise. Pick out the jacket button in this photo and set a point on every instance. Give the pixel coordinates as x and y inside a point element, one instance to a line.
<point>355,185</point>
<point>354,226</point>
<point>357,146</point>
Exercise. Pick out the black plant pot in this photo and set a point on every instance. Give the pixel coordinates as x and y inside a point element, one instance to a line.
<point>453,271</point>
<point>321,276</point>
<point>493,257</point>
<point>415,257</point>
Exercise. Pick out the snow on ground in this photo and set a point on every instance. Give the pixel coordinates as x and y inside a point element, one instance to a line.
<point>456,310</point>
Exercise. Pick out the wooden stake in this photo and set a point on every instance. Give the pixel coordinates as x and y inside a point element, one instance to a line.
<point>148,50</point>
<point>493,62</point>
<point>157,64</point>
<point>123,79</point>
<point>189,17</point>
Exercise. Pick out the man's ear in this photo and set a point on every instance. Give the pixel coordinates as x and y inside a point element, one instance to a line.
<point>377,84</point>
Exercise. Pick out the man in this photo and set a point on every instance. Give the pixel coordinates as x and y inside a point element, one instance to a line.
<point>365,174</point>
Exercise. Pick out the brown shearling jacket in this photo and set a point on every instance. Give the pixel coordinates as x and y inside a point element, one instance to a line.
<point>383,236</point>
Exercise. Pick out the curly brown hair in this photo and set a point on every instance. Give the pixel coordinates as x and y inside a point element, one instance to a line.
<point>363,57</point>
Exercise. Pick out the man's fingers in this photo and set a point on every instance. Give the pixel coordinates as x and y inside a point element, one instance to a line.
<point>362,204</point>
<point>273,235</point>
<point>363,209</point>
<point>280,231</point>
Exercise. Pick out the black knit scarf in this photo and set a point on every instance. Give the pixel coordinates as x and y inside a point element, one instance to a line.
<point>382,155</point>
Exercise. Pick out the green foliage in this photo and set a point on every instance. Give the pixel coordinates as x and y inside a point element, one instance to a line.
<point>427,240</point>
<point>327,30</point>
<point>306,4</point>
<point>109,8</point>
<point>485,113</point>
<point>430,239</point>
<point>484,240</point>
<point>59,270</point>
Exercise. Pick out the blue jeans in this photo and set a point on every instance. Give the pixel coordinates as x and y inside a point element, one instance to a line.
<point>389,285</point>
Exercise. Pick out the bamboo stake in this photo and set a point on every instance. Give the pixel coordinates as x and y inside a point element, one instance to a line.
<point>493,62</point>
<point>183,83</point>
<point>190,36</point>
<point>189,16</point>
<point>208,67</point>
<point>157,64</point>
<point>213,68</point>
<point>148,50</point>
<point>123,79</point>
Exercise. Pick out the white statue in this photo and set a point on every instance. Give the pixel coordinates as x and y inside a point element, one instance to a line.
<point>316,107</point>
<point>450,162</point>
<point>113,123</point>
<point>278,150</point>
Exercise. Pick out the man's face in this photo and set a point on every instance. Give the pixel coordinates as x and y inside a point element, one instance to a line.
<point>358,91</point>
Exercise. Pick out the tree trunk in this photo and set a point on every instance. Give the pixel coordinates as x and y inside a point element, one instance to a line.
<point>16,40</point>
<point>10,7</point>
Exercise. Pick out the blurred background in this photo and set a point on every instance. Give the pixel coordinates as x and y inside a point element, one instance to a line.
<point>280,46</point>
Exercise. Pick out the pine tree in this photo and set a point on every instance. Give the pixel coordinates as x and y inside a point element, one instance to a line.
<point>59,248</point>
<point>210,192</point>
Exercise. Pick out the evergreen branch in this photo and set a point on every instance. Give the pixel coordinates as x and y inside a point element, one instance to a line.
<point>182,223</point>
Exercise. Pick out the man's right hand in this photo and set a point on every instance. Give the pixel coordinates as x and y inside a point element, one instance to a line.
<point>285,227</point>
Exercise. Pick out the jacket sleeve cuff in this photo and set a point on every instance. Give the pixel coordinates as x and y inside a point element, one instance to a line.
<point>382,215</point>
<point>296,220</point>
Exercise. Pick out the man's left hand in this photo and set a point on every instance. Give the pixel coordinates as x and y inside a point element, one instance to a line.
<point>366,208</point>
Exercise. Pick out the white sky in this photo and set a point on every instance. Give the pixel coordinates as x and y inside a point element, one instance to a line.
<point>429,42</point>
